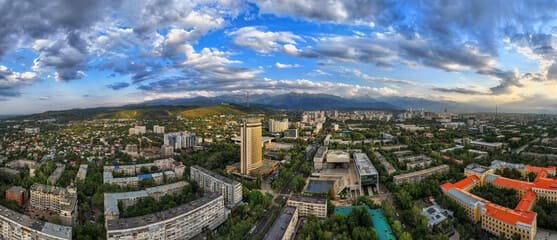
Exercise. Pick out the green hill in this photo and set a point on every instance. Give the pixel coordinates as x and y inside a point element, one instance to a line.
<point>142,112</point>
<point>213,110</point>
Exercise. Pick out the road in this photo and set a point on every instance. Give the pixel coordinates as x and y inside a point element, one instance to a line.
<point>520,149</point>
<point>265,222</point>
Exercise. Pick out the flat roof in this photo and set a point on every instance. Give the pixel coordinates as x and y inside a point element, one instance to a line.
<point>307,199</point>
<point>141,221</point>
<point>319,186</point>
<point>111,199</point>
<point>364,165</point>
<point>45,227</point>
<point>215,175</point>
<point>278,229</point>
<point>338,156</point>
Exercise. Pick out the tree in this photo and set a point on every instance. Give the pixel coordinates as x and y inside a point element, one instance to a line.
<point>405,236</point>
<point>298,183</point>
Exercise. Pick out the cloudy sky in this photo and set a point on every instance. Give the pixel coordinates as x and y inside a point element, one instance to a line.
<point>61,54</point>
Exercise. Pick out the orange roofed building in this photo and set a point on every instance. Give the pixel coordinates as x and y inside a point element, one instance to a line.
<point>496,219</point>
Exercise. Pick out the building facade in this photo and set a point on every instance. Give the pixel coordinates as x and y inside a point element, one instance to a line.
<point>180,140</point>
<point>182,222</point>
<point>61,201</point>
<point>278,126</point>
<point>210,181</point>
<point>308,205</point>
<point>251,146</point>
<point>14,225</point>
<point>284,226</point>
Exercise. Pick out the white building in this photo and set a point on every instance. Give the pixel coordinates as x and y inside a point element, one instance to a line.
<point>158,129</point>
<point>137,130</point>
<point>32,130</point>
<point>14,225</point>
<point>213,182</point>
<point>180,140</point>
<point>276,126</point>
<point>182,222</point>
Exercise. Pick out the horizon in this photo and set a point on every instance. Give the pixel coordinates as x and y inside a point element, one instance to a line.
<point>63,55</point>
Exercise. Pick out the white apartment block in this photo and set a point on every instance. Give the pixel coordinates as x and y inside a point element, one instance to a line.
<point>182,222</point>
<point>158,129</point>
<point>180,140</point>
<point>307,205</point>
<point>14,225</point>
<point>278,126</point>
<point>57,200</point>
<point>213,182</point>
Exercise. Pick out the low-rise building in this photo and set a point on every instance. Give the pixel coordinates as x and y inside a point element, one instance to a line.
<point>319,157</point>
<point>420,175</point>
<point>82,172</point>
<point>14,225</point>
<point>158,129</point>
<point>126,199</point>
<point>213,182</point>
<point>367,174</point>
<point>308,205</point>
<point>16,194</point>
<point>284,226</point>
<point>53,178</point>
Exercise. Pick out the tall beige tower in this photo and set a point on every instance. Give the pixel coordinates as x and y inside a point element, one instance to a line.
<point>251,150</point>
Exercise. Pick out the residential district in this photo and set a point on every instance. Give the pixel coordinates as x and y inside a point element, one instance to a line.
<point>230,172</point>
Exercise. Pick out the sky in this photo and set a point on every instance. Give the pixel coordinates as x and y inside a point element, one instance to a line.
<point>62,54</point>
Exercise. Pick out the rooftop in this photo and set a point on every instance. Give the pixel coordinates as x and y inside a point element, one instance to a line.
<point>111,199</point>
<point>510,216</point>
<point>364,165</point>
<point>307,199</point>
<point>215,175</point>
<point>280,225</point>
<point>142,221</point>
<point>45,227</point>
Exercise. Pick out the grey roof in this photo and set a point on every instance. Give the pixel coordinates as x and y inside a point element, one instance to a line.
<point>280,225</point>
<point>58,231</point>
<point>111,199</point>
<point>364,165</point>
<point>215,175</point>
<point>496,164</point>
<point>467,198</point>
<point>477,168</point>
<point>308,199</point>
<point>141,221</point>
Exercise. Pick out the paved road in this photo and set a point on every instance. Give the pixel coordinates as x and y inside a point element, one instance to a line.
<point>265,222</point>
<point>520,149</point>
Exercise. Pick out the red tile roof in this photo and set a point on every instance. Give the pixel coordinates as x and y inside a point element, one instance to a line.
<point>546,183</point>
<point>509,216</point>
<point>526,202</point>
<point>462,183</point>
<point>530,168</point>
<point>512,183</point>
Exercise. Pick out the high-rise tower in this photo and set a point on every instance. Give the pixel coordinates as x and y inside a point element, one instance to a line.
<point>251,148</point>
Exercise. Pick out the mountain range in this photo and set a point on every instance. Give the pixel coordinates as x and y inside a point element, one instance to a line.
<point>306,101</point>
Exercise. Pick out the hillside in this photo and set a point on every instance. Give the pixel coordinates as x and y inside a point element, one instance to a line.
<point>142,112</point>
<point>213,110</point>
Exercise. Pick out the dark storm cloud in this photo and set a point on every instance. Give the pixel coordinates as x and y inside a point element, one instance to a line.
<point>39,19</point>
<point>118,85</point>
<point>458,90</point>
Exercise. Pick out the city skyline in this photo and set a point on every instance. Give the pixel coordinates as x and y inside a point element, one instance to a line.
<point>64,54</point>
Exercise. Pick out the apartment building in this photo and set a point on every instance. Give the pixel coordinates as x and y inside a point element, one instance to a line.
<point>57,200</point>
<point>14,225</point>
<point>496,219</point>
<point>213,182</point>
<point>278,126</point>
<point>182,222</point>
<point>308,205</point>
<point>284,226</point>
<point>420,175</point>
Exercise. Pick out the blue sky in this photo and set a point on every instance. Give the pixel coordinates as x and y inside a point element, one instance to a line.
<point>65,54</point>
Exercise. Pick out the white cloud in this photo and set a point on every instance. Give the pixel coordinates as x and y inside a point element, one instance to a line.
<point>286,66</point>
<point>264,41</point>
